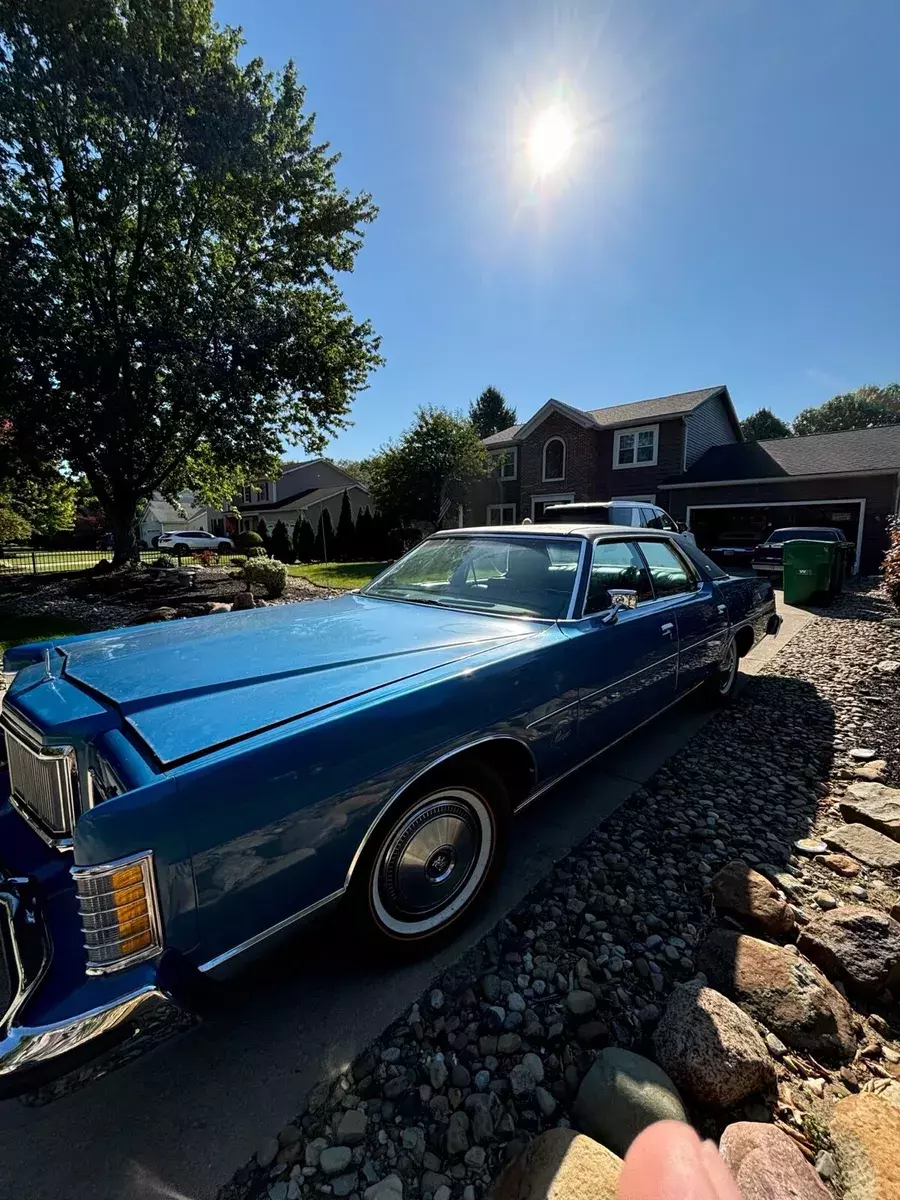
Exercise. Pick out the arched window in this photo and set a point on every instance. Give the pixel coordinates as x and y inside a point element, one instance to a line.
<point>554,459</point>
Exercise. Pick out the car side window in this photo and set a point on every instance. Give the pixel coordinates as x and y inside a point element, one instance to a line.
<point>652,519</point>
<point>669,573</point>
<point>621,514</point>
<point>666,522</point>
<point>615,565</point>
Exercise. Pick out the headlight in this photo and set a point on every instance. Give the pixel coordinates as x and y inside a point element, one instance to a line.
<point>119,912</point>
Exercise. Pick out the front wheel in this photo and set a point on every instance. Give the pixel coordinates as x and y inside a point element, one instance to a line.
<point>431,859</point>
<point>720,688</point>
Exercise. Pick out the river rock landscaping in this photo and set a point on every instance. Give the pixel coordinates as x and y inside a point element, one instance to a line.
<point>719,951</point>
<point>105,600</point>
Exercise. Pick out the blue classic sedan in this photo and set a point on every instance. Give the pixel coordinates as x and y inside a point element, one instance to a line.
<point>183,793</point>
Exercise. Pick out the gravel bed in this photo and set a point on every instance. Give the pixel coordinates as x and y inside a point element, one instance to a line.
<point>495,1049</point>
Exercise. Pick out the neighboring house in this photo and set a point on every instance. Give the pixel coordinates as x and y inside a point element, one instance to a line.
<point>626,450</point>
<point>159,516</point>
<point>739,493</point>
<point>302,489</point>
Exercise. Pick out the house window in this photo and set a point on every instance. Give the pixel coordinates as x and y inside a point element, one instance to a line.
<point>247,494</point>
<point>501,514</point>
<point>635,447</point>
<point>506,463</point>
<point>554,460</point>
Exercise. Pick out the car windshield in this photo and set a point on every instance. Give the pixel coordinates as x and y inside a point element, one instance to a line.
<point>801,535</point>
<point>520,576</point>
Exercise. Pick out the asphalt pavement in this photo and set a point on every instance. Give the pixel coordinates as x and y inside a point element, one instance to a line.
<point>177,1122</point>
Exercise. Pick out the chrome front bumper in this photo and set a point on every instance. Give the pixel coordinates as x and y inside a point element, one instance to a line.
<point>27,1047</point>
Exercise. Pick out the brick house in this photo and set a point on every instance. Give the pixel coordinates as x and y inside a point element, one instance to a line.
<point>626,450</point>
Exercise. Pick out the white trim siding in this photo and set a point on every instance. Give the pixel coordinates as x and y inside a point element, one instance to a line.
<point>635,433</point>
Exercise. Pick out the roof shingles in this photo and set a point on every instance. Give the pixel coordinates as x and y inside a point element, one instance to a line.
<point>625,414</point>
<point>844,453</point>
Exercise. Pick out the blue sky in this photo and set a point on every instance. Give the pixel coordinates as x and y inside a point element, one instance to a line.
<point>728,214</point>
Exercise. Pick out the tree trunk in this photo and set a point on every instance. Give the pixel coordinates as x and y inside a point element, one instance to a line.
<point>123,520</point>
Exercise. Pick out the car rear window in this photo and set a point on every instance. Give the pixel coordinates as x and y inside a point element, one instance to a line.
<point>591,514</point>
<point>806,535</point>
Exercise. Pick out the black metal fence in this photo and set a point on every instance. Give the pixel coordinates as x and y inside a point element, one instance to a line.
<point>20,560</point>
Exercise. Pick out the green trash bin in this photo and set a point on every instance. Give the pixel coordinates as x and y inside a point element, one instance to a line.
<point>811,571</point>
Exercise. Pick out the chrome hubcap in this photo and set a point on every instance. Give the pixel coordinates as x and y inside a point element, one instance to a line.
<point>728,669</point>
<point>432,862</point>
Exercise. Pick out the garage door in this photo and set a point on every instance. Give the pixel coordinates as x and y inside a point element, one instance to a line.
<point>747,525</point>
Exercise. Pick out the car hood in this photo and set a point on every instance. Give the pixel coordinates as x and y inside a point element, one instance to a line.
<point>188,686</point>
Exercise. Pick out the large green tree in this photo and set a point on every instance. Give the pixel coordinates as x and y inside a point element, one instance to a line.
<point>490,412</point>
<point>764,424</point>
<point>433,462</point>
<point>170,239</point>
<point>867,406</point>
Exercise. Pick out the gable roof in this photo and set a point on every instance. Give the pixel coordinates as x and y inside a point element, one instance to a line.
<point>619,415</point>
<point>846,453</point>
<point>309,496</point>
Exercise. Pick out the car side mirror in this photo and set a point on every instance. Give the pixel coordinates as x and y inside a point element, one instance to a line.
<point>621,599</point>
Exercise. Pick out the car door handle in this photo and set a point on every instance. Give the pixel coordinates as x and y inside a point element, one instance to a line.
<point>667,629</point>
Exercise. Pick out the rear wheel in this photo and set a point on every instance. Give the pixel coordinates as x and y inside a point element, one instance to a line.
<point>432,858</point>
<point>720,688</point>
<point>182,548</point>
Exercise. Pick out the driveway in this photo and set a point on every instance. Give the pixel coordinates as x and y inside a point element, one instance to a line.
<point>178,1122</point>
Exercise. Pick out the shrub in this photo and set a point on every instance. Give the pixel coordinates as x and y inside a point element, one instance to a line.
<point>892,563</point>
<point>206,558</point>
<point>164,560</point>
<point>268,573</point>
<point>257,552</point>
<point>237,560</point>
<point>248,539</point>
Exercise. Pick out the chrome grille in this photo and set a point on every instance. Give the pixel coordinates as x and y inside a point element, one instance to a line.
<point>42,784</point>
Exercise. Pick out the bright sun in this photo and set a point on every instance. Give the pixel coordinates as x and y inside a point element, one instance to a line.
<point>551,139</point>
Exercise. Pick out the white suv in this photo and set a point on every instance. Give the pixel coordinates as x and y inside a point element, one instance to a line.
<point>636,513</point>
<point>186,540</point>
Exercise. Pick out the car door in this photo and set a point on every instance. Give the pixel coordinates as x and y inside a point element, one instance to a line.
<point>627,657</point>
<point>699,612</point>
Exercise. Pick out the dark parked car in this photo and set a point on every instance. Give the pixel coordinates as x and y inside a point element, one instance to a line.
<point>182,794</point>
<point>731,555</point>
<point>768,558</point>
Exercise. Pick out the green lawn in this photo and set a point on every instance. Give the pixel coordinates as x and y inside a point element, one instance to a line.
<point>338,575</point>
<point>16,630</point>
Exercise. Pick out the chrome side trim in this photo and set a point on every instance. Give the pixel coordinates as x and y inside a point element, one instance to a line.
<point>258,938</point>
<point>579,573</point>
<point>625,678</point>
<point>25,1046</point>
<point>550,715</point>
<point>545,787</point>
<point>424,771</point>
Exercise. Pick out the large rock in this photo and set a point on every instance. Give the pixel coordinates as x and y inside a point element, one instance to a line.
<point>873,804</point>
<point>866,844</point>
<point>865,1138</point>
<point>781,990</point>
<point>767,1165</point>
<point>164,613</point>
<point>711,1049</point>
<point>560,1165</point>
<point>622,1094</point>
<point>857,945</point>
<point>742,893</point>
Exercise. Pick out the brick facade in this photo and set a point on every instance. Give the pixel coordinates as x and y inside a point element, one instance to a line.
<point>589,472</point>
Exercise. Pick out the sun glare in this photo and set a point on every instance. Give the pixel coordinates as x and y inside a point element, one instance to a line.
<point>551,139</point>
